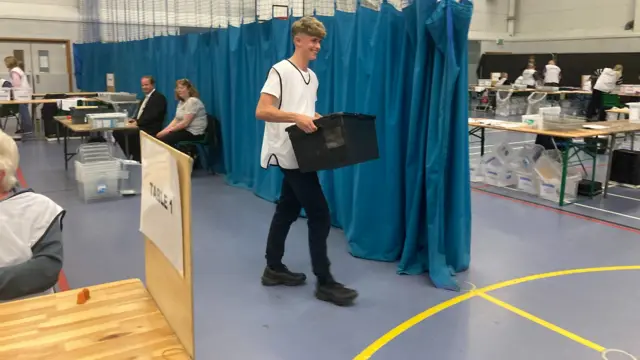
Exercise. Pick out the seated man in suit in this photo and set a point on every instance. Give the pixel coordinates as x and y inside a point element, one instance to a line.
<point>150,118</point>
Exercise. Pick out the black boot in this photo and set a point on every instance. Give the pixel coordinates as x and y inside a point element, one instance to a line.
<point>282,276</point>
<point>335,293</point>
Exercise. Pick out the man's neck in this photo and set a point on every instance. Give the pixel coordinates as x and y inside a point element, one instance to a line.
<point>298,61</point>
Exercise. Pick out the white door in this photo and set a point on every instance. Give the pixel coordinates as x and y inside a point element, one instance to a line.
<point>20,50</point>
<point>50,68</point>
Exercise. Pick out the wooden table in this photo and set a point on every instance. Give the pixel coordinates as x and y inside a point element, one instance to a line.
<point>68,125</point>
<point>68,94</point>
<point>613,128</point>
<point>31,102</point>
<point>120,321</point>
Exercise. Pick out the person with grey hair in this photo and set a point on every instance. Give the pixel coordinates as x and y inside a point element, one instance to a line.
<point>30,233</point>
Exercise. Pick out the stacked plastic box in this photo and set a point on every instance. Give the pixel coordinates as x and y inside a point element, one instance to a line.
<point>531,169</point>
<point>549,171</point>
<point>496,166</point>
<point>5,94</point>
<point>98,173</point>
<point>523,163</point>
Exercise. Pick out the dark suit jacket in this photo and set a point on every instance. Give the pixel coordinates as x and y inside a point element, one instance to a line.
<point>152,118</point>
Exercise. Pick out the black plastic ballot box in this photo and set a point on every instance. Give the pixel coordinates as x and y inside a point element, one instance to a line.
<point>342,139</point>
<point>625,167</point>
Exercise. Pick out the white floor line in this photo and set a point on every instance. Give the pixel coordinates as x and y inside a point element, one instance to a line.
<point>624,197</point>
<point>608,211</point>
<point>515,142</point>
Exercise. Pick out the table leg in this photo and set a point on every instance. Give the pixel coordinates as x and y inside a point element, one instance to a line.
<point>563,181</point>
<point>482,142</point>
<point>612,147</point>
<point>592,187</point>
<point>66,138</point>
<point>126,145</point>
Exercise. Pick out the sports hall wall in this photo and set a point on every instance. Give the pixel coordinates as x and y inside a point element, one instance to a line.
<point>384,62</point>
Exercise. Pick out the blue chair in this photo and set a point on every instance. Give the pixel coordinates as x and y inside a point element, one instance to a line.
<point>206,146</point>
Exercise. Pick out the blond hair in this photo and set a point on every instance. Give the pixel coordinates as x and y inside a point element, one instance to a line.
<point>11,62</point>
<point>308,25</point>
<point>193,92</point>
<point>9,161</point>
<point>618,68</point>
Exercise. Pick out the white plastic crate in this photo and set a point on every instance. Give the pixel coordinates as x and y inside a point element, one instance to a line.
<point>550,189</point>
<point>549,170</point>
<point>22,94</point>
<point>634,112</point>
<point>5,94</point>
<point>523,163</point>
<point>476,170</point>
<point>528,183</point>
<point>498,173</point>
<point>107,120</point>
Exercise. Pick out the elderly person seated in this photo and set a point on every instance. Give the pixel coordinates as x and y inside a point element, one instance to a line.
<point>30,233</point>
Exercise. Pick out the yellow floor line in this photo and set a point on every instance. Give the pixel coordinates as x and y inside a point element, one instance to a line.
<point>389,336</point>
<point>368,352</point>
<point>542,322</point>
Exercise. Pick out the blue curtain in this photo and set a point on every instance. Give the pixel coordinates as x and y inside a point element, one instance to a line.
<point>406,67</point>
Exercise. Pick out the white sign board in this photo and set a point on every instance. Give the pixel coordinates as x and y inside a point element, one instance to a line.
<point>161,207</point>
<point>111,80</point>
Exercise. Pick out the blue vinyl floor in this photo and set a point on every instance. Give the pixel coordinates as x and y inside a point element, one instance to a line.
<point>238,319</point>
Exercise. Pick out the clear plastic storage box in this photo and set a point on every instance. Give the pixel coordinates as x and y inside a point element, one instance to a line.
<point>523,164</point>
<point>549,169</point>
<point>497,172</point>
<point>99,179</point>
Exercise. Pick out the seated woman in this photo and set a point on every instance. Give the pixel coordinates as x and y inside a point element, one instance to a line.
<point>30,233</point>
<point>190,123</point>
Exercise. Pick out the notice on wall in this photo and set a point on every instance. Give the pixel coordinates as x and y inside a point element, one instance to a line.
<point>161,207</point>
<point>111,80</point>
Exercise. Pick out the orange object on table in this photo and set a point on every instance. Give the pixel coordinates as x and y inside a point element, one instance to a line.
<point>83,296</point>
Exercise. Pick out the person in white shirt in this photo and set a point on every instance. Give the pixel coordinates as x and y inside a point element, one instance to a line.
<point>20,81</point>
<point>31,251</point>
<point>552,74</point>
<point>190,122</point>
<point>288,98</point>
<point>504,79</point>
<point>529,76</point>
<point>606,83</point>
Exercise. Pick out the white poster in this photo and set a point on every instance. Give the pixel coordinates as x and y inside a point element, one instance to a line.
<point>111,80</point>
<point>161,208</point>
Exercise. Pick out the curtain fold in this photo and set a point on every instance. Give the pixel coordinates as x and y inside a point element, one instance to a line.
<point>406,67</point>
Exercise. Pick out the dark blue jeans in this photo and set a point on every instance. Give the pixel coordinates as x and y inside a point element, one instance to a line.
<point>25,118</point>
<point>301,191</point>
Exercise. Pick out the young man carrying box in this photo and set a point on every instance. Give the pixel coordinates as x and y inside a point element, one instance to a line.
<point>289,97</point>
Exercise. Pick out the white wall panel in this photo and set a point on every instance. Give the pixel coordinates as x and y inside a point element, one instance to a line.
<point>555,18</point>
<point>490,17</point>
